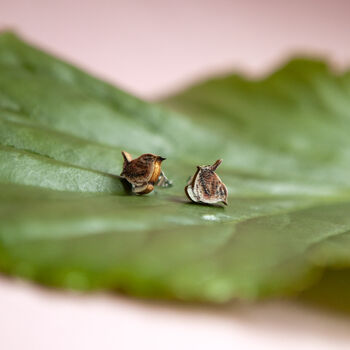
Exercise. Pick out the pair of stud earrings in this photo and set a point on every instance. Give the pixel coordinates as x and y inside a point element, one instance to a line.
<point>144,172</point>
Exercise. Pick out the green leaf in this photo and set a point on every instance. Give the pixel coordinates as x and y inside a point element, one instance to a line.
<point>66,219</point>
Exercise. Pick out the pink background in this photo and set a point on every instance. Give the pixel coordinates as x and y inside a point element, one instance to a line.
<point>151,48</point>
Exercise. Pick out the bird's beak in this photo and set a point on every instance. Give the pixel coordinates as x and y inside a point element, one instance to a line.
<point>161,158</point>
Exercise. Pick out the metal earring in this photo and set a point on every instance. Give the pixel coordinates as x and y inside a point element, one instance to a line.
<point>144,172</point>
<point>205,186</point>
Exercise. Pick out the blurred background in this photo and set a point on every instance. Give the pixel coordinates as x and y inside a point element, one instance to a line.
<point>151,48</point>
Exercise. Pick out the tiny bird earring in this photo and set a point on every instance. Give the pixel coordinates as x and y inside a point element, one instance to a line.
<point>206,187</point>
<point>144,172</point>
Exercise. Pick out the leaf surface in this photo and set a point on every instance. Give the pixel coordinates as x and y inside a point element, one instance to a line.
<point>67,220</point>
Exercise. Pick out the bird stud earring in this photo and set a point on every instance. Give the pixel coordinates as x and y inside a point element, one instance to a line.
<point>144,172</point>
<point>206,187</point>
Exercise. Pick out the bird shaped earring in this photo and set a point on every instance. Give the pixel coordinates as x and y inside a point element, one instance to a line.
<point>144,172</point>
<point>206,187</point>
